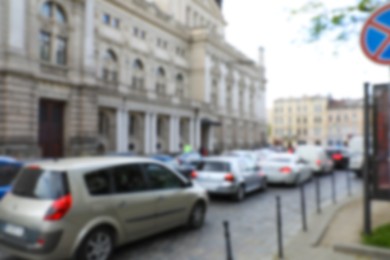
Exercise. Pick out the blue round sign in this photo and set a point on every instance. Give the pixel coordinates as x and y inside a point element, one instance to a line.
<point>375,36</point>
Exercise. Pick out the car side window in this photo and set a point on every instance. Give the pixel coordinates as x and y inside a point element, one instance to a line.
<point>98,182</point>
<point>161,178</point>
<point>129,178</point>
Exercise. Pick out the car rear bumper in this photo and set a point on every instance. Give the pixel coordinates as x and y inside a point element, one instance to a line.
<point>282,179</point>
<point>220,189</point>
<point>32,244</point>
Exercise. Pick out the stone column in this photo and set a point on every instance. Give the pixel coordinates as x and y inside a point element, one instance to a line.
<point>172,134</point>
<point>147,133</point>
<point>192,132</point>
<point>153,133</point>
<point>122,138</point>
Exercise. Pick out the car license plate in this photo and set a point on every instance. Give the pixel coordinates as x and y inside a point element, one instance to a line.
<point>14,230</point>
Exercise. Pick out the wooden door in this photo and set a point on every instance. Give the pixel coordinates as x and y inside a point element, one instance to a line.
<point>51,128</point>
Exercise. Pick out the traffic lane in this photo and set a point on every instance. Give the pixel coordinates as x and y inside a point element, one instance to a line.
<point>252,222</point>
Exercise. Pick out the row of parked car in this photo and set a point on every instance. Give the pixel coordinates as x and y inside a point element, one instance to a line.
<point>83,208</point>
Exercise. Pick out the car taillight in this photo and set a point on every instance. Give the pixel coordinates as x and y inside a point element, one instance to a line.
<point>318,162</point>
<point>229,177</point>
<point>194,175</point>
<point>285,170</point>
<point>59,208</point>
<point>337,156</point>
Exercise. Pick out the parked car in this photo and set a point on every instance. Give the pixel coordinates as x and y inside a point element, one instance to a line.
<point>9,167</point>
<point>232,176</point>
<point>356,151</point>
<point>285,168</point>
<point>316,157</point>
<point>188,158</point>
<point>340,157</point>
<point>84,208</point>
<point>185,168</point>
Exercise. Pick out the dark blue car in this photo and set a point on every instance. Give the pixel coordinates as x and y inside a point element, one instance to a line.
<point>9,168</point>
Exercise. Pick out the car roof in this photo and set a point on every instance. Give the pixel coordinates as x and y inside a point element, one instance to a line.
<point>72,164</point>
<point>283,155</point>
<point>221,159</point>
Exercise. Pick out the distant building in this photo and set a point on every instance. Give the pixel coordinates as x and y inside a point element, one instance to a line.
<point>147,76</point>
<point>299,120</point>
<point>345,120</point>
<point>315,120</point>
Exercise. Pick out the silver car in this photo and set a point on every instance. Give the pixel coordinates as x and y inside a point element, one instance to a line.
<point>83,208</point>
<point>286,168</point>
<point>233,176</point>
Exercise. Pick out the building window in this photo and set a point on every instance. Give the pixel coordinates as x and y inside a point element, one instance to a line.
<point>132,127</point>
<point>53,44</point>
<point>180,85</point>
<point>214,92</point>
<point>45,42</point>
<point>143,35</point>
<point>104,124</point>
<point>135,31</point>
<point>54,11</point>
<point>106,19</point>
<point>160,81</point>
<point>110,66</point>
<point>138,75</point>
<point>116,23</point>
<point>61,51</point>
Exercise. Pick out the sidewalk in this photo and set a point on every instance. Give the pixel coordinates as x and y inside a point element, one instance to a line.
<point>338,224</point>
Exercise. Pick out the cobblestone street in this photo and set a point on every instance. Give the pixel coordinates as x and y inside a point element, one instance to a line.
<point>253,230</point>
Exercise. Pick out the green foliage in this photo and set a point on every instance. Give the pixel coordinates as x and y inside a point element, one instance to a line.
<point>380,237</point>
<point>341,23</point>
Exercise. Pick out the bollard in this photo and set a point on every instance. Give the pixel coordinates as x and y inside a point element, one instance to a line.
<point>349,184</point>
<point>333,188</point>
<point>229,254</point>
<point>279,226</point>
<point>318,195</point>
<point>303,207</point>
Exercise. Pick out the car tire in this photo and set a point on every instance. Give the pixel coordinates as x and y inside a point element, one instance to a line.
<point>100,241</point>
<point>240,194</point>
<point>197,216</point>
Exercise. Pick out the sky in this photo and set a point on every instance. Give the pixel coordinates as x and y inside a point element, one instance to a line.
<point>294,67</point>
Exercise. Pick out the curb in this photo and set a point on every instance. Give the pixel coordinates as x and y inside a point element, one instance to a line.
<point>356,249</point>
<point>325,226</point>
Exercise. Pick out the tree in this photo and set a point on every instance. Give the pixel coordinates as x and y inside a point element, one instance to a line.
<point>340,23</point>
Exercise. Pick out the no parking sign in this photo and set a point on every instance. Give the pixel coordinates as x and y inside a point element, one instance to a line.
<point>375,36</point>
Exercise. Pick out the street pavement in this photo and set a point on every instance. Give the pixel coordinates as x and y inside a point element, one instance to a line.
<point>252,223</point>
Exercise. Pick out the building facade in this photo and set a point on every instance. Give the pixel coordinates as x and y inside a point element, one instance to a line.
<point>345,120</point>
<point>315,120</point>
<point>94,76</point>
<point>299,120</point>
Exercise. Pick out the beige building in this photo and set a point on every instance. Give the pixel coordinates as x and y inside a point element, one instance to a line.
<point>345,120</point>
<point>90,76</point>
<point>299,120</point>
<point>315,120</point>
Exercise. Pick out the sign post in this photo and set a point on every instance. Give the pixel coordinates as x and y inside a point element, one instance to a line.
<point>375,43</point>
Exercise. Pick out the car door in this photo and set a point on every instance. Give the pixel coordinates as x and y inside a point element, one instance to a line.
<point>135,203</point>
<point>174,202</point>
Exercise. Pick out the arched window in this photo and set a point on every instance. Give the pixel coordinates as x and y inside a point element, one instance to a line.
<point>110,66</point>
<point>53,39</point>
<point>51,10</point>
<point>138,75</point>
<point>161,81</point>
<point>180,85</point>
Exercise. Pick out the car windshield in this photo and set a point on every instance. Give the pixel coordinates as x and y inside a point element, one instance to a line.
<point>8,174</point>
<point>214,166</point>
<point>40,184</point>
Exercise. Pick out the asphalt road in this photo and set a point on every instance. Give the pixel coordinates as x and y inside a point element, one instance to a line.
<point>252,221</point>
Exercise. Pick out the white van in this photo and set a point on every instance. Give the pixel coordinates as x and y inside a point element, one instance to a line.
<point>356,151</point>
<point>316,157</point>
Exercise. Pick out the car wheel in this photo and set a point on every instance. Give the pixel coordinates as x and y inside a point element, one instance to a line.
<point>98,245</point>
<point>240,193</point>
<point>197,216</point>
